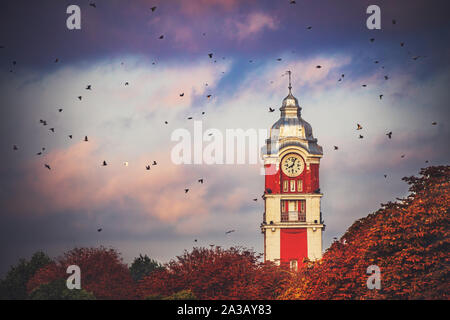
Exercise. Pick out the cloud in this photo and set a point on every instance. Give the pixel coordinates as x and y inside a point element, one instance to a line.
<point>127,124</point>
<point>249,26</point>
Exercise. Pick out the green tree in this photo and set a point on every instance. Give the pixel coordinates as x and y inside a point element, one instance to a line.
<point>182,295</point>
<point>14,286</point>
<point>57,290</point>
<point>143,266</point>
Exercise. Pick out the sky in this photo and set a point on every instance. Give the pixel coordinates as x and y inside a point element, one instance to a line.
<point>148,212</point>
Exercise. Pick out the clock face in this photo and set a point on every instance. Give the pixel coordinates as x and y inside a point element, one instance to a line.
<point>292,165</point>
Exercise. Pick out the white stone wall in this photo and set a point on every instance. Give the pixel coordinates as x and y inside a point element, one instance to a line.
<point>314,243</point>
<point>273,245</point>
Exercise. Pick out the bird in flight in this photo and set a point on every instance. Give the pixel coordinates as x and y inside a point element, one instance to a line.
<point>85,139</point>
<point>389,134</point>
<point>230,231</point>
<point>161,36</point>
<point>271,110</point>
<point>372,39</point>
<point>358,126</point>
<point>210,55</point>
<point>186,190</point>
<point>309,28</point>
<point>153,9</point>
<point>88,87</point>
<point>52,130</point>
<point>208,96</point>
<point>147,167</point>
<point>104,164</point>
<point>434,123</point>
<point>70,136</point>
<point>92,5</point>
<point>336,148</point>
<point>182,94</point>
<point>200,181</point>
<point>319,66</point>
<point>80,97</point>
<point>255,199</point>
<point>99,230</point>
<point>360,137</point>
<point>385,175</point>
<point>155,163</point>
<point>402,156</point>
<point>60,110</point>
<point>381,96</point>
<point>364,85</point>
<point>15,148</point>
<point>48,167</point>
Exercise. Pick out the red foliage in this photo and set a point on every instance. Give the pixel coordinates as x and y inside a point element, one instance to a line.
<point>234,273</point>
<point>102,273</point>
<point>408,240</point>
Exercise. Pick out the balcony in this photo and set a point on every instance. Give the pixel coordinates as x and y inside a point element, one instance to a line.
<point>293,216</point>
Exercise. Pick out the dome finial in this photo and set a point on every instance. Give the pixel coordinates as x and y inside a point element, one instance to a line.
<point>290,86</point>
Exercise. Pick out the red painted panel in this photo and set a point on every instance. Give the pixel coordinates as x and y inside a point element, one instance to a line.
<point>272,179</point>
<point>314,177</point>
<point>294,245</point>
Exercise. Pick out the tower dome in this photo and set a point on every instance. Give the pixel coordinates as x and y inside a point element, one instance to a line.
<point>291,128</point>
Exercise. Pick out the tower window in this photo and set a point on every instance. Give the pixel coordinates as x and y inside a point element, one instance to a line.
<point>292,185</point>
<point>300,185</point>
<point>285,186</point>
<point>302,206</point>
<point>293,265</point>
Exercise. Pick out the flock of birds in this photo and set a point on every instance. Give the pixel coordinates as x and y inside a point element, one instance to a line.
<point>182,94</point>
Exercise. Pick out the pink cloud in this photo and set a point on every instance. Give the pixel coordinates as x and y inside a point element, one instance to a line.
<point>78,182</point>
<point>249,26</point>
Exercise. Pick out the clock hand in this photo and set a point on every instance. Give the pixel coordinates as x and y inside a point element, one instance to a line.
<point>293,163</point>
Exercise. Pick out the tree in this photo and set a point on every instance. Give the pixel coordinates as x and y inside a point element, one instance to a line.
<point>102,272</point>
<point>215,273</point>
<point>408,240</point>
<point>57,290</point>
<point>14,286</point>
<point>143,266</point>
<point>181,295</point>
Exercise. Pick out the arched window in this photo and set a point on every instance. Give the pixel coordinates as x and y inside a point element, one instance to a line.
<point>293,265</point>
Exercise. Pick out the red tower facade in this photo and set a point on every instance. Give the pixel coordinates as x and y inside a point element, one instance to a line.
<point>292,223</point>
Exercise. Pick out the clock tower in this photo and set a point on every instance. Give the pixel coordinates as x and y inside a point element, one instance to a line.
<point>292,222</point>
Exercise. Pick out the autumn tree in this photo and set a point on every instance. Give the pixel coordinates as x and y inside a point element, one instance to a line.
<point>102,273</point>
<point>215,273</point>
<point>408,240</point>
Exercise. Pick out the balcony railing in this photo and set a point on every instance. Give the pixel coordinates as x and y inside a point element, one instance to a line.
<point>293,216</point>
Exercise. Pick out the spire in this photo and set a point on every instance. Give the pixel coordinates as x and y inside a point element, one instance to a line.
<point>290,86</point>
<point>290,102</point>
